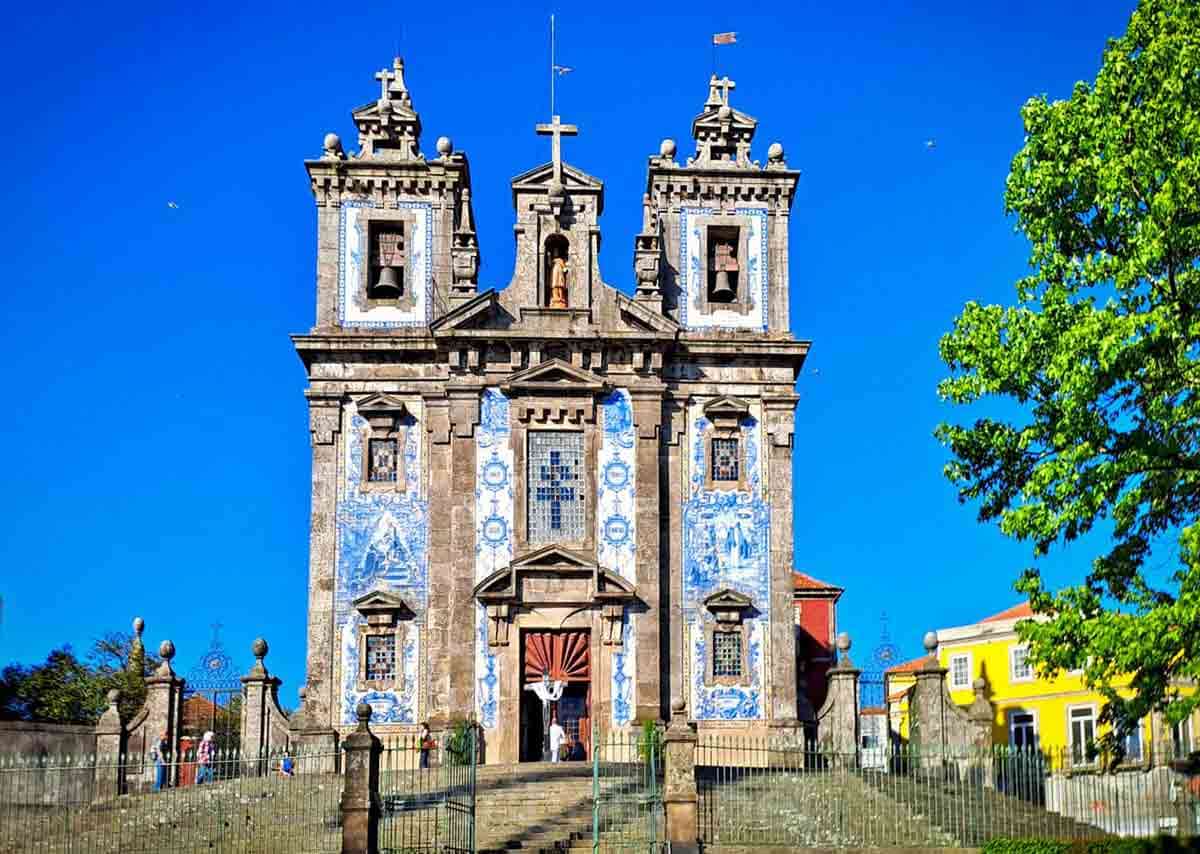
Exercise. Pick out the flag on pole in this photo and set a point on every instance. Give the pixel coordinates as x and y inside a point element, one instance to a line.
<point>560,70</point>
<point>724,38</point>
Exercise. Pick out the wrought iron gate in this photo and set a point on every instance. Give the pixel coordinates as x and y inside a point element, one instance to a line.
<point>627,776</point>
<point>212,702</point>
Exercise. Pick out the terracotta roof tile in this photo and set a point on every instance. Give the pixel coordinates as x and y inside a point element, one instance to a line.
<point>803,581</point>
<point>909,666</point>
<point>1015,612</point>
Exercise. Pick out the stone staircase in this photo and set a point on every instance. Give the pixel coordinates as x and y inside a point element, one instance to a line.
<point>534,806</point>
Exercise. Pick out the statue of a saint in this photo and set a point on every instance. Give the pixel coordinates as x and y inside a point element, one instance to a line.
<point>558,283</point>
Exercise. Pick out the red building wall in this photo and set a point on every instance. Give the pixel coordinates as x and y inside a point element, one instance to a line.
<point>816,627</point>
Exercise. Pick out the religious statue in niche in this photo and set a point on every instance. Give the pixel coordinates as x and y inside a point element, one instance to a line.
<point>556,251</point>
<point>723,268</point>
<point>388,279</point>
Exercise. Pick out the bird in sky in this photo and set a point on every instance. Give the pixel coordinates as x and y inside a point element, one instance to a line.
<point>173,206</point>
<point>931,144</point>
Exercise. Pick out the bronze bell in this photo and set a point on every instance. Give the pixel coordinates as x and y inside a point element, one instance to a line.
<point>722,291</point>
<point>388,285</point>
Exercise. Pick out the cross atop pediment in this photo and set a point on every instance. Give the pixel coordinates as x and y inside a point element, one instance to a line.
<point>556,130</point>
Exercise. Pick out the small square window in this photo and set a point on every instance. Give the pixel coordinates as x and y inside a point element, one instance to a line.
<point>381,658</point>
<point>382,461</point>
<point>727,654</point>
<point>725,462</point>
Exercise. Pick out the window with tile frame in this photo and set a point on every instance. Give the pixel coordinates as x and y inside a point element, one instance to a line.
<point>556,487</point>
<point>381,658</point>
<point>382,460</point>
<point>727,654</point>
<point>726,461</point>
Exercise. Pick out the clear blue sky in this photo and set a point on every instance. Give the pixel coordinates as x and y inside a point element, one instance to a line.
<point>157,450</point>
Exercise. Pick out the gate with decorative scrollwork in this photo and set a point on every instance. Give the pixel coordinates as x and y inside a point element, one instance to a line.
<point>212,702</point>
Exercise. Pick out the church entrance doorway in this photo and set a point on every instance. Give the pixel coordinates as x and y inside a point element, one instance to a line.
<point>557,665</point>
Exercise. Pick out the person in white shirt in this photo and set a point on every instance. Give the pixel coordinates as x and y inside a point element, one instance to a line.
<point>557,736</point>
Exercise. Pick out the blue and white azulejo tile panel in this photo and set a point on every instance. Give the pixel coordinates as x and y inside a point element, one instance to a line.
<point>493,535</point>
<point>354,253</point>
<point>695,272</point>
<point>389,707</point>
<point>726,544</point>
<point>616,535</point>
<point>382,544</point>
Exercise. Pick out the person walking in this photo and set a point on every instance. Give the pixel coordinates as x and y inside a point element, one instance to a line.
<point>160,753</point>
<point>557,736</point>
<point>427,744</point>
<point>205,755</point>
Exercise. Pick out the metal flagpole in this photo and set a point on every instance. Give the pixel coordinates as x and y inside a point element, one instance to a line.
<point>553,72</point>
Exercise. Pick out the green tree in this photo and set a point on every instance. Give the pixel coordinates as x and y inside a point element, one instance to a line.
<point>1100,358</point>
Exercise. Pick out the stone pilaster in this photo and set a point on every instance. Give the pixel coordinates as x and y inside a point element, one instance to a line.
<point>837,721</point>
<point>163,709</point>
<point>325,426</point>
<point>109,750</point>
<point>779,413</point>
<point>460,605</point>
<point>647,418</point>
<point>360,791</point>
<point>680,798</point>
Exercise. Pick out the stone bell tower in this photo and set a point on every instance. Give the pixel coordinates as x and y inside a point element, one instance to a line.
<point>721,221</point>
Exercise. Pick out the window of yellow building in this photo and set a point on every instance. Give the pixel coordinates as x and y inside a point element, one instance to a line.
<point>960,670</point>
<point>1022,729</point>
<point>1019,670</point>
<point>1081,722</point>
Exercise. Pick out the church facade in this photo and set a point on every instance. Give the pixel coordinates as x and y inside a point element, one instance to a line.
<point>552,477</point>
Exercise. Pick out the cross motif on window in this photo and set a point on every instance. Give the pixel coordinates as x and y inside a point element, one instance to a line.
<point>553,488</point>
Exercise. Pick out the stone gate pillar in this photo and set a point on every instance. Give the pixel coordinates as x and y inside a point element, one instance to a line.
<point>109,750</point>
<point>837,722</point>
<point>361,805</point>
<point>264,727</point>
<point>164,707</point>
<point>680,798</point>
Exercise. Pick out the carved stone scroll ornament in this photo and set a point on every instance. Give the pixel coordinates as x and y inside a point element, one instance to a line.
<point>324,423</point>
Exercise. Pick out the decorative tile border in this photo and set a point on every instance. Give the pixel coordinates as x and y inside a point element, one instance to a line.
<point>493,536</point>
<point>616,534</point>
<point>352,250</point>
<point>693,269</point>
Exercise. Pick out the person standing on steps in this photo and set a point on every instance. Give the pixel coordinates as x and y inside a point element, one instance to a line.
<point>427,744</point>
<point>204,759</point>
<point>557,736</point>
<point>159,754</point>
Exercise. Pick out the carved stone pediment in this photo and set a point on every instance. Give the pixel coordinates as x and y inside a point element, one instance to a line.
<point>480,312</point>
<point>641,317</point>
<point>382,403</point>
<point>539,177</point>
<point>726,413</point>
<point>552,575</point>
<point>729,606</point>
<point>382,607</point>
<point>554,376</point>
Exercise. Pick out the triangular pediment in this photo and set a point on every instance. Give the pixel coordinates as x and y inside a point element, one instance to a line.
<point>728,599</point>
<point>556,376</point>
<point>554,557</point>
<point>726,409</point>
<point>711,118</point>
<point>381,402</point>
<point>540,176</point>
<point>383,602</point>
<point>396,112</point>
<point>480,312</point>
<point>641,317</point>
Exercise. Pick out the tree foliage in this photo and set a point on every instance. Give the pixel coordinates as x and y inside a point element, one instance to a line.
<point>1100,356</point>
<point>65,689</point>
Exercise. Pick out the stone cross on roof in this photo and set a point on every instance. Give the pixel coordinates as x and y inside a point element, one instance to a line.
<point>715,98</point>
<point>391,83</point>
<point>556,130</point>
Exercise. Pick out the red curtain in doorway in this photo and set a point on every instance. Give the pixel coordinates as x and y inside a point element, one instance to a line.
<point>564,654</point>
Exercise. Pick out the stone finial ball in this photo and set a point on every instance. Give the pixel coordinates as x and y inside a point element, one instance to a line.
<point>930,641</point>
<point>667,147</point>
<point>724,112</point>
<point>980,684</point>
<point>259,648</point>
<point>678,706</point>
<point>363,712</point>
<point>332,142</point>
<point>138,625</point>
<point>843,641</point>
<point>166,650</point>
<point>444,146</point>
<point>113,696</point>
<point>775,151</point>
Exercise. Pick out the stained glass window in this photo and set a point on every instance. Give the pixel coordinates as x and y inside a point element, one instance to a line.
<point>556,487</point>
<point>727,654</point>
<point>381,462</point>
<point>381,658</point>
<point>725,459</point>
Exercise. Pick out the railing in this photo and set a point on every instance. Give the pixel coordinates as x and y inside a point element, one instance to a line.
<point>70,805</point>
<point>427,795</point>
<point>627,780</point>
<point>760,791</point>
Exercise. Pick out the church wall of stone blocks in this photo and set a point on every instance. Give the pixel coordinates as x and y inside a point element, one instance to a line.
<point>551,476</point>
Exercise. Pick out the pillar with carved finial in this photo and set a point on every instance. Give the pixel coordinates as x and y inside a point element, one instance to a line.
<point>162,713</point>
<point>680,799</point>
<point>361,804</point>
<point>264,725</point>
<point>109,747</point>
<point>837,722</point>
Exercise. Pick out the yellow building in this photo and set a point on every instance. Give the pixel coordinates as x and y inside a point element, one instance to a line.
<point>1031,710</point>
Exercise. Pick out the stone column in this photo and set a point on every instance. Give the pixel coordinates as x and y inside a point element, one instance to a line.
<point>109,750</point>
<point>164,707</point>
<point>780,415</point>
<point>460,606</point>
<point>325,424</point>
<point>680,799</point>
<point>361,805</point>
<point>647,419</point>
<point>838,718</point>
<point>258,706</point>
